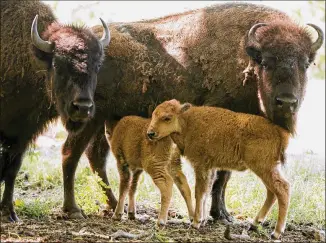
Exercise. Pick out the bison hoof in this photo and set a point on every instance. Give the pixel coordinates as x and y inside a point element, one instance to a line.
<point>8,215</point>
<point>221,215</point>
<point>131,215</point>
<point>77,215</point>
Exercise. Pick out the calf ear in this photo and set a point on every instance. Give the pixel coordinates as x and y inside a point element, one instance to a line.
<point>254,53</point>
<point>185,107</point>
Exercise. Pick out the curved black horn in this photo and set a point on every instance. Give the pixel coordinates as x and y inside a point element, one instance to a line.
<point>318,43</point>
<point>252,31</point>
<point>105,40</point>
<point>45,46</point>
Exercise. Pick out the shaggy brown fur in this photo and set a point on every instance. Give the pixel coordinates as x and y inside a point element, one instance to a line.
<point>134,152</point>
<point>215,138</point>
<point>34,83</point>
<point>197,56</point>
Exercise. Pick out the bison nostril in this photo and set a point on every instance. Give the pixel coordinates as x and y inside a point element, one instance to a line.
<point>151,135</point>
<point>82,108</point>
<point>287,102</point>
<point>83,104</point>
<point>279,102</point>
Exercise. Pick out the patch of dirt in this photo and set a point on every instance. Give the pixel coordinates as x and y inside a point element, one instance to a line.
<point>100,228</point>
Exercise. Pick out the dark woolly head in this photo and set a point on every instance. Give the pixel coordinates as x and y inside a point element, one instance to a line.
<point>74,56</point>
<point>282,52</point>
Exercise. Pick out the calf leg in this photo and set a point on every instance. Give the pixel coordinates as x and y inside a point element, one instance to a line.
<point>269,201</point>
<point>125,179</point>
<point>164,182</point>
<point>218,210</point>
<point>281,188</point>
<point>72,149</point>
<point>132,194</point>
<point>205,214</point>
<point>96,153</point>
<point>201,188</point>
<point>181,181</point>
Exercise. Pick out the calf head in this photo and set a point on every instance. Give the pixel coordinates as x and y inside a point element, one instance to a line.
<point>165,119</point>
<point>282,53</point>
<point>73,56</point>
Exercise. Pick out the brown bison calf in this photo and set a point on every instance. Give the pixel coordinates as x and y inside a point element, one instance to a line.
<point>214,138</point>
<point>160,159</point>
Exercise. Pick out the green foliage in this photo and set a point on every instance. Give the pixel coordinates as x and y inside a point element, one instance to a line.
<point>89,191</point>
<point>36,208</point>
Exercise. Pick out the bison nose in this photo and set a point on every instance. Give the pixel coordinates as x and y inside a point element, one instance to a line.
<point>287,102</point>
<point>150,134</point>
<point>82,108</point>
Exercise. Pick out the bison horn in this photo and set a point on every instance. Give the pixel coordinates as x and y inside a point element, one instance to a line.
<point>105,40</point>
<point>318,43</point>
<point>252,31</point>
<point>45,46</point>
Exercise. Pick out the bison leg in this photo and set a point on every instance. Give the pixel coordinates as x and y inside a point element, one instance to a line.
<point>10,165</point>
<point>72,150</point>
<point>218,210</point>
<point>96,153</point>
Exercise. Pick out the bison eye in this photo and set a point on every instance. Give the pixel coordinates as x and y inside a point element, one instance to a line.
<point>97,68</point>
<point>264,64</point>
<point>307,65</point>
<point>166,119</point>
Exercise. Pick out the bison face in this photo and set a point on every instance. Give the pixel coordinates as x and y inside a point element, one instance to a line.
<point>282,54</point>
<point>74,56</point>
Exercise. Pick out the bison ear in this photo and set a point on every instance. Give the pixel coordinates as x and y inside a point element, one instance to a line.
<point>254,53</point>
<point>185,107</point>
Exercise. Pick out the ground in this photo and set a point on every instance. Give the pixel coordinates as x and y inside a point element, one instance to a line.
<point>102,228</point>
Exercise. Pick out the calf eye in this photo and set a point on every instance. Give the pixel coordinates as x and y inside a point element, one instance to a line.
<point>166,119</point>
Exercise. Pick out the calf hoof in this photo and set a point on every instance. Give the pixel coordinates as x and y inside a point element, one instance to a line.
<point>275,236</point>
<point>161,224</point>
<point>8,215</point>
<point>253,227</point>
<point>131,215</point>
<point>195,225</point>
<point>117,216</point>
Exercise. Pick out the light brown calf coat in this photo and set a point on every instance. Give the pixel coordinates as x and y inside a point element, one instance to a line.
<point>212,138</point>
<point>134,153</point>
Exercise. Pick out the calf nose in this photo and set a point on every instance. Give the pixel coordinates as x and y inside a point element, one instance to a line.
<point>82,107</point>
<point>287,102</point>
<point>150,134</point>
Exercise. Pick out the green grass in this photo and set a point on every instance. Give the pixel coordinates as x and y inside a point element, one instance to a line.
<point>39,189</point>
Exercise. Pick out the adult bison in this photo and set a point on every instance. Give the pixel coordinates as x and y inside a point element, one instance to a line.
<point>41,79</point>
<point>199,57</point>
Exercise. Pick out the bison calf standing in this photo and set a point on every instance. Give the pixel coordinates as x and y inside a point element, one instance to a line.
<point>218,138</point>
<point>160,159</point>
